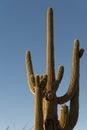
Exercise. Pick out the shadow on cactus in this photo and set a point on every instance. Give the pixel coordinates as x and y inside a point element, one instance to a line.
<point>44,88</point>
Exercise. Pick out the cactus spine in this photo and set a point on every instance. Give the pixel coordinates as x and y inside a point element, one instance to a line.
<point>44,88</point>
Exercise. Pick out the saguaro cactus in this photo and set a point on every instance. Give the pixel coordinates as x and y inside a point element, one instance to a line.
<point>44,88</point>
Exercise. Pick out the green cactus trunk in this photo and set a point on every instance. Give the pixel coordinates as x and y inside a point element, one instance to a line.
<point>45,87</point>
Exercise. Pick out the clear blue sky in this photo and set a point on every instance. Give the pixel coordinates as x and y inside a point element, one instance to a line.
<point>23,27</point>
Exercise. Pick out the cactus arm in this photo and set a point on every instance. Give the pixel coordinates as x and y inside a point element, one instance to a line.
<point>50,49</point>
<point>30,75</point>
<point>58,78</point>
<point>74,76</point>
<point>50,94</point>
<point>29,63</point>
<point>74,110</point>
<point>40,85</point>
<point>60,73</point>
<point>38,120</point>
<point>64,117</point>
<point>77,54</point>
<point>37,85</point>
<point>55,84</point>
<point>74,102</point>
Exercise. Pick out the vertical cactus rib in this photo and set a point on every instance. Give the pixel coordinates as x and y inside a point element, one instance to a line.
<point>74,75</point>
<point>29,70</point>
<point>50,48</point>
<point>64,117</point>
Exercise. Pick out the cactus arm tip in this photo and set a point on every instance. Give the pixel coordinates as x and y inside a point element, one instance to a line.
<point>50,10</point>
<point>30,74</point>
<point>60,73</point>
<point>81,51</point>
<point>64,117</point>
<point>29,67</point>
